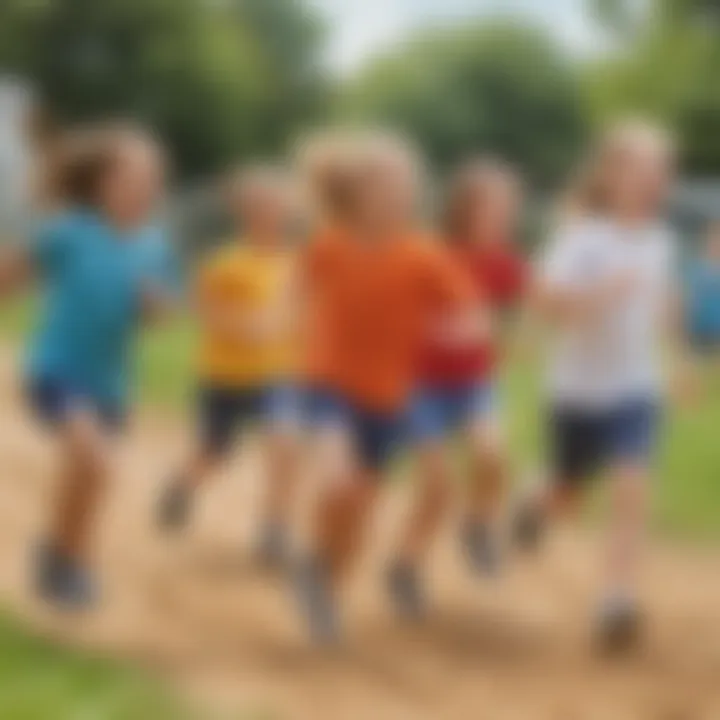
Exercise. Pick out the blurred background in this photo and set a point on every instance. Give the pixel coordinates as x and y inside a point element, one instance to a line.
<point>229,81</point>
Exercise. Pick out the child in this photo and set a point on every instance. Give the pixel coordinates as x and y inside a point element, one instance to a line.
<point>246,353</point>
<point>457,382</point>
<point>703,296</point>
<point>373,283</point>
<point>104,267</point>
<point>605,283</point>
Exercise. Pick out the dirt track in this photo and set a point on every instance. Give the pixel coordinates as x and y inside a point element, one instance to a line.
<point>197,610</point>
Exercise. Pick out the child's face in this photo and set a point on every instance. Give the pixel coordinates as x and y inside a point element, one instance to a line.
<point>263,210</point>
<point>494,211</point>
<point>386,196</point>
<point>132,188</point>
<point>640,180</point>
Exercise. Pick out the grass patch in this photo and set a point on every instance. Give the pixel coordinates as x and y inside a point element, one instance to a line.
<point>39,680</point>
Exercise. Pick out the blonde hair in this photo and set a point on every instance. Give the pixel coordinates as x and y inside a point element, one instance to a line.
<point>336,163</point>
<point>242,180</point>
<point>588,192</point>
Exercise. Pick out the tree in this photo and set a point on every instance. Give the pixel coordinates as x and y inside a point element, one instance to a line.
<point>669,72</point>
<point>494,87</point>
<point>201,71</point>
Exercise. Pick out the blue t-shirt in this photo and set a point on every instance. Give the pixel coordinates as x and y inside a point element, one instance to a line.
<point>94,278</point>
<point>703,299</point>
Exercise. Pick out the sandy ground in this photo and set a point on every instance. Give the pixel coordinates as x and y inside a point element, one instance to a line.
<point>196,610</point>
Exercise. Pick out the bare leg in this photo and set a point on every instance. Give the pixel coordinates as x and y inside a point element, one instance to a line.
<point>85,454</point>
<point>429,505</point>
<point>489,471</point>
<point>281,461</point>
<point>627,528</point>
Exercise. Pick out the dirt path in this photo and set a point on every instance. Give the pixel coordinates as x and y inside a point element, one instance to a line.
<point>197,610</point>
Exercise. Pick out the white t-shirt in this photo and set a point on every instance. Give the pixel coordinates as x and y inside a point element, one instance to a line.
<point>616,356</point>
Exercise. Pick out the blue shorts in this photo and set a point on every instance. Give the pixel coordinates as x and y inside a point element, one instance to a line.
<point>436,411</point>
<point>51,400</point>
<point>584,442</point>
<point>223,412</point>
<point>376,436</point>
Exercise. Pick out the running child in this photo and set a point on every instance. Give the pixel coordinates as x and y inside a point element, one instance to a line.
<point>605,287</point>
<point>457,381</point>
<point>104,268</point>
<point>246,358</point>
<point>374,283</point>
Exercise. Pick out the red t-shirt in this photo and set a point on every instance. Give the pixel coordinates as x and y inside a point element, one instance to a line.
<point>498,276</point>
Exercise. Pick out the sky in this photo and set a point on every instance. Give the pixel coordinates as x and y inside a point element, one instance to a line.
<point>359,28</point>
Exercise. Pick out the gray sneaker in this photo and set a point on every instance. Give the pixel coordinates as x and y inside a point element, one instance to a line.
<point>273,547</point>
<point>63,581</point>
<point>528,525</point>
<point>619,625</point>
<point>481,547</point>
<point>173,512</point>
<point>406,591</point>
<point>316,602</point>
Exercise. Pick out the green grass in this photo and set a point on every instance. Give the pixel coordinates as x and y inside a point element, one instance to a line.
<point>42,681</point>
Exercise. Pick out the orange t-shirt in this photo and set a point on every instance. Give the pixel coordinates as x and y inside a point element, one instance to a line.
<point>370,306</point>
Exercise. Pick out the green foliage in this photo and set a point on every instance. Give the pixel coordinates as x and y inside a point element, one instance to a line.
<point>216,79</point>
<point>485,87</point>
<point>669,71</point>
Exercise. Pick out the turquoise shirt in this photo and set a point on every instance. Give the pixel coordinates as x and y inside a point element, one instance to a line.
<point>94,277</point>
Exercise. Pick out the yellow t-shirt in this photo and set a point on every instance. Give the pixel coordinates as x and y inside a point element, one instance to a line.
<point>241,279</point>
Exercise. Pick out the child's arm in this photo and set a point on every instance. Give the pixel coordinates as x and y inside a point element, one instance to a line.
<point>16,269</point>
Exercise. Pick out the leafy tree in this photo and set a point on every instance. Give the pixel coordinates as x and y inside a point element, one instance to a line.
<point>492,87</point>
<point>203,72</point>
<point>668,72</point>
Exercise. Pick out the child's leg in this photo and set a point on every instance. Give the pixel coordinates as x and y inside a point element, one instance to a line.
<point>488,456</point>
<point>576,440</point>
<point>350,456</point>
<point>280,414</point>
<point>343,506</point>
<point>429,503</point>
<point>219,413</point>
<point>629,506</point>
<point>632,433</point>
<point>85,452</point>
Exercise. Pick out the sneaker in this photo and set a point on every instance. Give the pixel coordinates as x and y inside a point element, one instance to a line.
<point>406,591</point>
<point>63,581</point>
<point>480,546</point>
<point>272,550</point>
<point>316,602</point>
<point>173,512</point>
<point>619,625</point>
<point>528,525</point>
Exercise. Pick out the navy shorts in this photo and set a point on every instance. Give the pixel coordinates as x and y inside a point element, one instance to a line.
<point>436,411</point>
<point>223,412</point>
<point>583,442</point>
<point>51,400</point>
<point>376,436</point>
